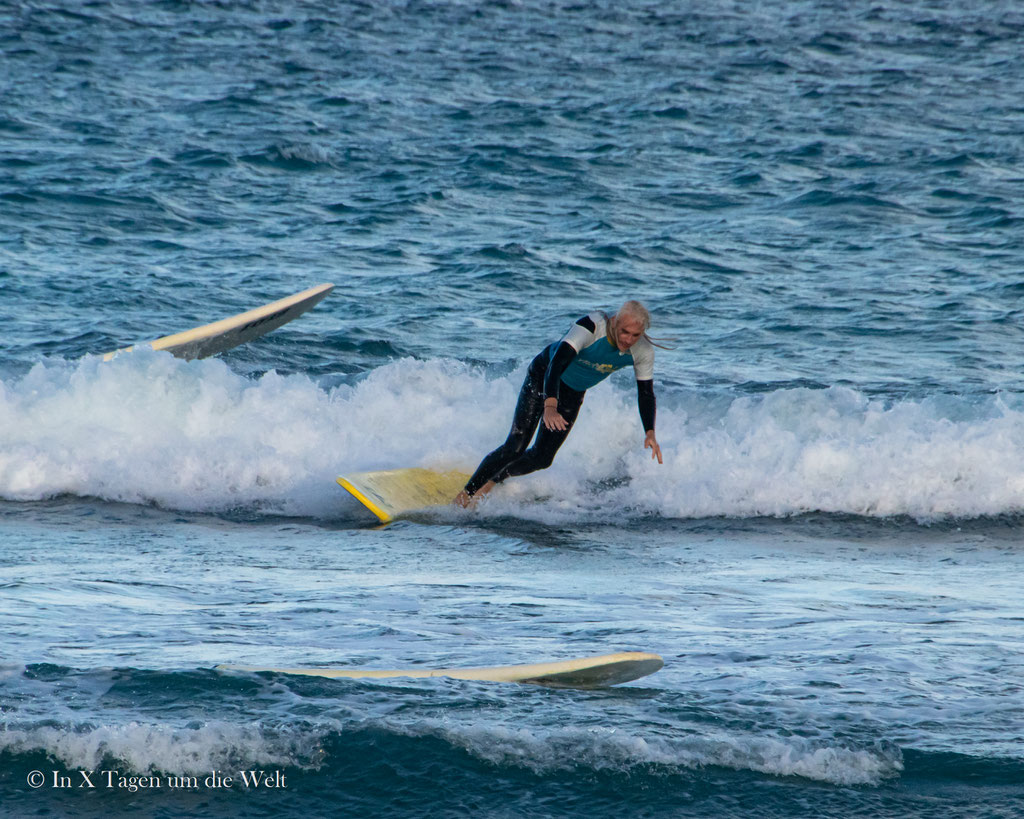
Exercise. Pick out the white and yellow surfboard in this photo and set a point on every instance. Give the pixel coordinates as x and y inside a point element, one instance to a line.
<point>582,672</point>
<point>390,493</point>
<point>210,339</point>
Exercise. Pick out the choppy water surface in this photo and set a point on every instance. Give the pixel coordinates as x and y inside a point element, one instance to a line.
<point>819,202</point>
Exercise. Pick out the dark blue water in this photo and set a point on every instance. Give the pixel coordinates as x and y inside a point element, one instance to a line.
<point>820,204</point>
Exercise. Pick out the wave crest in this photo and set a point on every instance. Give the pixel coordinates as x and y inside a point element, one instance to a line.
<point>195,436</point>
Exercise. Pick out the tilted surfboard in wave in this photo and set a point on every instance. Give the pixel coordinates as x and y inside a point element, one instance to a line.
<point>210,339</point>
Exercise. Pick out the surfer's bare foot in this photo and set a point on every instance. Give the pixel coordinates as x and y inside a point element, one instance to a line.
<point>467,501</point>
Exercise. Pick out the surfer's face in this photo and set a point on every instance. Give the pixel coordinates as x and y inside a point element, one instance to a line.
<point>627,332</point>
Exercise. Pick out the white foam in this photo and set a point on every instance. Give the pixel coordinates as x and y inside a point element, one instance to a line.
<point>195,436</point>
<point>786,453</point>
<point>219,745</point>
<point>795,451</point>
<point>314,154</point>
<point>546,750</point>
<point>147,427</point>
<point>215,745</point>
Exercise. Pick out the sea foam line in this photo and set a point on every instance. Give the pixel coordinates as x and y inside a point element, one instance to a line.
<point>149,428</point>
<point>219,746</point>
<point>150,748</point>
<point>548,750</point>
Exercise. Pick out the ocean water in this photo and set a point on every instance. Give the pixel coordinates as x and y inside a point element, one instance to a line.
<point>820,204</point>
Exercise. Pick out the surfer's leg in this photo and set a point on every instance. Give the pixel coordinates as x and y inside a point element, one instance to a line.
<point>542,453</point>
<point>529,409</point>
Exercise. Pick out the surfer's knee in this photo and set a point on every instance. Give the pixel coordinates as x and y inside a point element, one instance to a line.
<point>542,459</point>
<point>514,446</point>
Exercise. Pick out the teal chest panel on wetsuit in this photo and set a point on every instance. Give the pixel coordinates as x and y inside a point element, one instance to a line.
<point>595,363</point>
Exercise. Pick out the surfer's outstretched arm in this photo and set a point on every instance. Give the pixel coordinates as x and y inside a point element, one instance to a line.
<point>648,409</point>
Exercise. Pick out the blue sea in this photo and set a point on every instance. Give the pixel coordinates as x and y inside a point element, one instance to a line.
<point>819,202</point>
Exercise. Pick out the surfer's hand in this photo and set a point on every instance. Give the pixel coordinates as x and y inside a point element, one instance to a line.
<point>552,420</point>
<point>651,443</point>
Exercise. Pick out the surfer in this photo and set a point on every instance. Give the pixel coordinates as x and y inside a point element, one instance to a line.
<point>595,346</point>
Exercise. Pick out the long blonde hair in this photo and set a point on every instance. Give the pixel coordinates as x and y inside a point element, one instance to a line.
<point>635,310</point>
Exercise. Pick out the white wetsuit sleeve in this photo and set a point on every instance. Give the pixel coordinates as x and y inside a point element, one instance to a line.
<point>643,360</point>
<point>579,337</point>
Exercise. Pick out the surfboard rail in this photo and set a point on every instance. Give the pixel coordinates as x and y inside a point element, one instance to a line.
<point>597,671</point>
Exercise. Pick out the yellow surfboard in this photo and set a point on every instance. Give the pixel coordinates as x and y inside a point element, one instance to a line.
<point>210,339</point>
<point>583,672</point>
<point>394,492</point>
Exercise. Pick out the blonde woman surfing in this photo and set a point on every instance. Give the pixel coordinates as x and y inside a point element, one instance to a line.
<point>595,346</point>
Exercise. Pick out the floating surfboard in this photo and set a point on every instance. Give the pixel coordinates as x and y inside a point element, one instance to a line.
<point>210,339</point>
<point>393,492</point>
<point>584,672</point>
